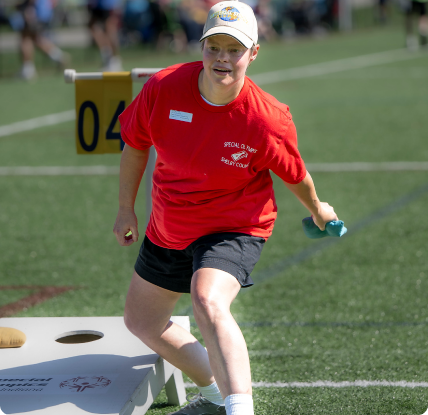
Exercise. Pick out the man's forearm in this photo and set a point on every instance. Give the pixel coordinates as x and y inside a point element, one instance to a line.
<point>305,192</point>
<point>132,166</point>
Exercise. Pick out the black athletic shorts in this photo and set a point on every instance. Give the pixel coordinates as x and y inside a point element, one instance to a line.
<point>235,253</point>
<point>99,15</point>
<point>417,7</point>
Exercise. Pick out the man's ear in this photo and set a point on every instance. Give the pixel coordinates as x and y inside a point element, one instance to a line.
<point>254,53</point>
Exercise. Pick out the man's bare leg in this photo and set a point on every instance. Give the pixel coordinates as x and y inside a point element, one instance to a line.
<point>147,315</point>
<point>99,36</point>
<point>28,70</point>
<point>423,30</point>
<point>112,33</point>
<point>27,47</point>
<point>51,50</point>
<point>212,294</point>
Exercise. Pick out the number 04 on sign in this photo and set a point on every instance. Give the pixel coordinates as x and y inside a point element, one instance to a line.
<point>100,98</point>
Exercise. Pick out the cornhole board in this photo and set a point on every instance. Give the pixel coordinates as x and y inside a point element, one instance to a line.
<point>116,374</point>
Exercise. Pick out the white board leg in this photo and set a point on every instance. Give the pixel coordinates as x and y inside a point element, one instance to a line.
<point>174,388</point>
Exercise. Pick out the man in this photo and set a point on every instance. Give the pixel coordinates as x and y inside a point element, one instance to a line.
<point>32,20</point>
<point>416,9</point>
<point>104,27</point>
<point>217,135</point>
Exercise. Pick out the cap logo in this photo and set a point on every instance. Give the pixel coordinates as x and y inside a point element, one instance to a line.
<point>229,14</point>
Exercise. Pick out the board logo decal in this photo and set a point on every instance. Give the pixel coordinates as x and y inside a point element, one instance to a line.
<point>81,383</point>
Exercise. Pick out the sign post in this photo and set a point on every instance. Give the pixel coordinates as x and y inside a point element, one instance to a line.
<point>100,98</point>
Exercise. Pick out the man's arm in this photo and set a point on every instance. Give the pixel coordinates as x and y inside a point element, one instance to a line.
<point>321,212</point>
<point>132,166</point>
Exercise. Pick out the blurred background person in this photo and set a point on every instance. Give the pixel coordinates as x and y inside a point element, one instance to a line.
<point>165,24</point>
<point>192,15</point>
<point>32,19</point>
<point>416,15</point>
<point>137,22</point>
<point>104,27</point>
<point>264,16</point>
<point>298,12</point>
<point>328,12</point>
<point>3,16</point>
<point>168,30</point>
<point>382,11</point>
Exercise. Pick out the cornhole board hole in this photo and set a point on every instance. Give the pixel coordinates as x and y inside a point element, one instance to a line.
<point>83,365</point>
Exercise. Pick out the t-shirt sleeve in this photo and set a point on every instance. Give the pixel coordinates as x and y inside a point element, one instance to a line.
<point>287,162</point>
<point>134,121</point>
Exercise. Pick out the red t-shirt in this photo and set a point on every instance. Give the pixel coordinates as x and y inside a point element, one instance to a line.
<point>212,168</point>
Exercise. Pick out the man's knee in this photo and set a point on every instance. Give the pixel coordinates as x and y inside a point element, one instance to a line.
<point>132,323</point>
<point>129,320</point>
<point>212,293</point>
<point>144,327</point>
<point>148,309</point>
<point>207,306</point>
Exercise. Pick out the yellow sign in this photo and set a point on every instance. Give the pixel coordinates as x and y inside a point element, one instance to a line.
<point>99,102</point>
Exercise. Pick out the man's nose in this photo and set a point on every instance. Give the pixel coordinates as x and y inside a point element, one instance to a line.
<point>223,56</point>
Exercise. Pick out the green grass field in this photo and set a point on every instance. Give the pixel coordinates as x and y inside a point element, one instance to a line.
<point>351,310</point>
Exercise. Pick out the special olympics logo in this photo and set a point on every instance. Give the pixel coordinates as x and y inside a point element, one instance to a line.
<point>229,14</point>
<point>239,155</point>
<point>82,383</point>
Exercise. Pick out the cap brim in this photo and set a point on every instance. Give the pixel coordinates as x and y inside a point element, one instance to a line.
<point>229,31</point>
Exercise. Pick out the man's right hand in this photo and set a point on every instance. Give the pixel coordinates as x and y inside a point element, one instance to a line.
<point>324,215</point>
<point>126,221</point>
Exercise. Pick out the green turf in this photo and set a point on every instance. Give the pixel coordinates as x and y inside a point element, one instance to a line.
<point>361,401</point>
<point>8,296</point>
<point>325,401</point>
<point>355,309</point>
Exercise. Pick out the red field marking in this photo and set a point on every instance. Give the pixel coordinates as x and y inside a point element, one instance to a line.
<point>40,295</point>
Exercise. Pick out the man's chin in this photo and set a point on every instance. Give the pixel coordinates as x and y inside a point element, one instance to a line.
<point>224,81</point>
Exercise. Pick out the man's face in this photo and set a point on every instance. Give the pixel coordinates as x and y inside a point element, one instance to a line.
<point>225,59</point>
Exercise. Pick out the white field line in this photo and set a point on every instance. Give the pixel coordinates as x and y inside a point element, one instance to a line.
<point>388,72</point>
<point>114,170</point>
<point>363,166</point>
<point>59,171</point>
<point>329,384</point>
<point>339,65</point>
<point>308,71</point>
<point>52,119</point>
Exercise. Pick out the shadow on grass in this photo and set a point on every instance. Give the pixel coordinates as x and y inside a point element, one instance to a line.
<point>163,406</point>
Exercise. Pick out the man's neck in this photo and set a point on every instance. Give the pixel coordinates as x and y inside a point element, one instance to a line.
<point>218,94</point>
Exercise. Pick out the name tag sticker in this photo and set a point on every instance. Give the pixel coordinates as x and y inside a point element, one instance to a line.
<point>180,116</point>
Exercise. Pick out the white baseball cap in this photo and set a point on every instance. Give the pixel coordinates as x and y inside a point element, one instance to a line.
<point>234,19</point>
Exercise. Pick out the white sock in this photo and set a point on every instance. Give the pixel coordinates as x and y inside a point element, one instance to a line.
<point>239,404</point>
<point>212,393</point>
<point>105,55</point>
<point>28,70</point>
<point>56,54</point>
<point>115,64</point>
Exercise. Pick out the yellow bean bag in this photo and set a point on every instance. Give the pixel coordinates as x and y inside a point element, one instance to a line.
<point>11,337</point>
